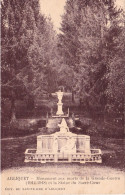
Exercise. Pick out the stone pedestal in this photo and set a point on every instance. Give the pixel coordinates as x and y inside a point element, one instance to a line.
<point>59,104</point>
<point>59,109</point>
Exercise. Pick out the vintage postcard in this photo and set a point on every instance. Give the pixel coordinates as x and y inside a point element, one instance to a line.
<point>62,97</point>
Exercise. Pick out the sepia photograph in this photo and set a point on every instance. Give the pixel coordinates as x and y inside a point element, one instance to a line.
<point>62,97</point>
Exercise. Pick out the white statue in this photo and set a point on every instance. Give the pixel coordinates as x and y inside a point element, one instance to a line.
<point>59,95</point>
<point>70,146</point>
<point>63,126</point>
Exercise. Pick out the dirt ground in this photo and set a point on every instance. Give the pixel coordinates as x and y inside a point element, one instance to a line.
<point>62,178</point>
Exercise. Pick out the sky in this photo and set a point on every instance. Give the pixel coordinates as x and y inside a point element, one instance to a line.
<point>55,8</point>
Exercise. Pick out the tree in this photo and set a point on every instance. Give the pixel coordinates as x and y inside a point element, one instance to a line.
<point>19,27</point>
<point>42,56</point>
<point>28,52</point>
<point>115,75</point>
<point>82,31</point>
<point>86,30</point>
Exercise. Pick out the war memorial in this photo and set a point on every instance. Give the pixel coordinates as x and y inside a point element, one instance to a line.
<point>62,145</point>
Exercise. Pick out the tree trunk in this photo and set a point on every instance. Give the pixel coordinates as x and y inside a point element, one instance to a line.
<point>13,111</point>
<point>73,99</point>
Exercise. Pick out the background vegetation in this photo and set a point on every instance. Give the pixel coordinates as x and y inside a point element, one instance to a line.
<point>86,58</point>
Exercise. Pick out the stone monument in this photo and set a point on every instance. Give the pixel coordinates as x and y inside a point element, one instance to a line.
<point>63,146</point>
